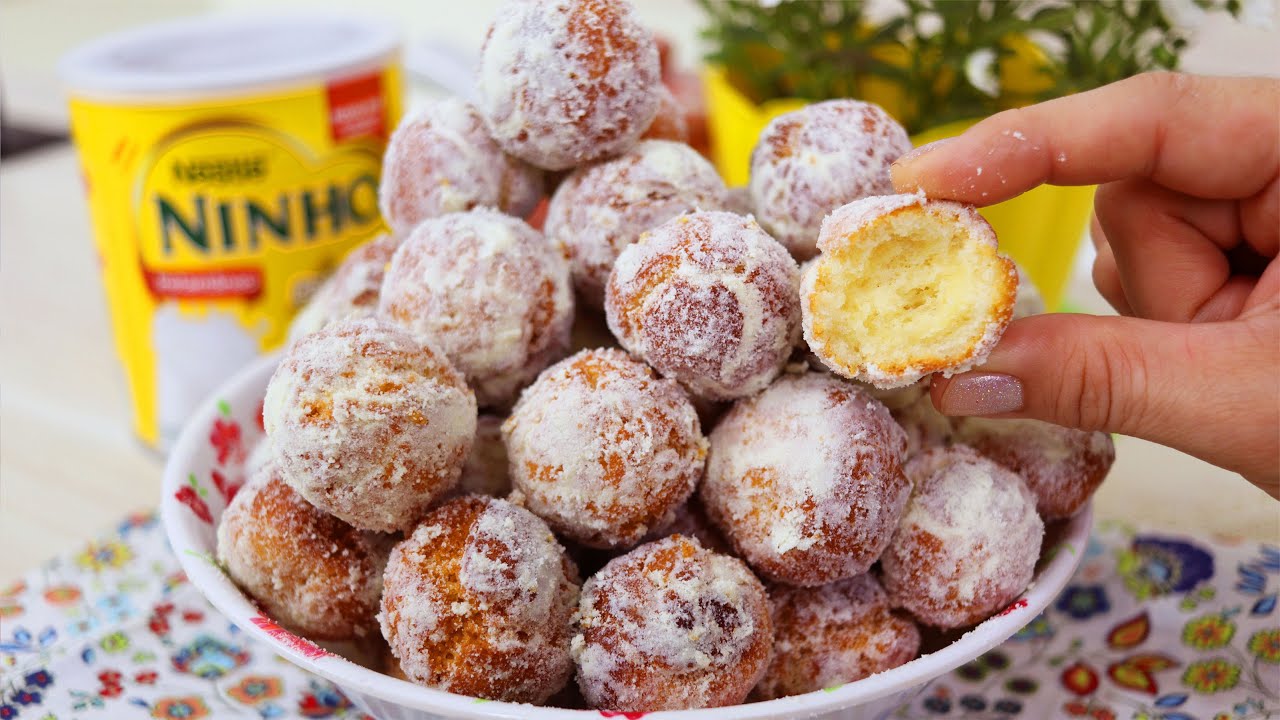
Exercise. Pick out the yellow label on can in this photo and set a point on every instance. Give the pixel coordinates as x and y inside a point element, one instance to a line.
<point>215,220</point>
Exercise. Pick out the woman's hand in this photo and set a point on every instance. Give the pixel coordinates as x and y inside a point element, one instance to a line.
<point>1189,216</point>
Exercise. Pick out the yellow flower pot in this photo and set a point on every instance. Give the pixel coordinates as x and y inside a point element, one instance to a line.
<point>1040,229</point>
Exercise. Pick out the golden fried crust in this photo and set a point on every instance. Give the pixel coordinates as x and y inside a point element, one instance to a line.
<point>309,570</point>
<point>670,626</point>
<point>478,602</point>
<point>832,635</point>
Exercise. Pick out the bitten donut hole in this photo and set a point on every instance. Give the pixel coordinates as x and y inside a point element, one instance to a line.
<point>915,288</point>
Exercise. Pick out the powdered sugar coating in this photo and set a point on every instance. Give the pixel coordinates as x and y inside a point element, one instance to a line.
<point>369,424</point>
<point>853,218</point>
<point>710,300</point>
<point>805,479</point>
<point>441,160</point>
<point>842,226</point>
<point>831,635</point>
<point>308,570</point>
<point>968,541</point>
<point>602,449</point>
<point>671,626</point>
<point>601,209</point>
<point>811,161</point>
<point>490,291</point>
<point>1062,467</point>
<point>669,123</point>
<point>479,601</point>
<point>485,472</point>
<point>567,82</point>
<point>351,292</point>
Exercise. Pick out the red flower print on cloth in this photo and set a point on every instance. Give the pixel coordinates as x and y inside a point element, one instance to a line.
<point>1080,679</point>
<point>225,438</point>
<point>60,595</point>
<point>147,677</point>
<point>627,715</point>
<point>1075,708</point>
<point>1131,632</point>
<point>308,649</point>
<point>180,708</point>
<point>1135,673</point>
<point>111,686</point>
<point>159,621</point>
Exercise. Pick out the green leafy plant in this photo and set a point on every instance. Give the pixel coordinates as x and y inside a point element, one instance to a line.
<point>936,61</point>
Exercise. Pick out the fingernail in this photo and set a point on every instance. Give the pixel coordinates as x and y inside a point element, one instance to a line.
<point>979,393</point>
<point>922,150</point>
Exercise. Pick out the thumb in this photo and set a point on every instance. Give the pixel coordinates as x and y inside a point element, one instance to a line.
<point>1172,383</point>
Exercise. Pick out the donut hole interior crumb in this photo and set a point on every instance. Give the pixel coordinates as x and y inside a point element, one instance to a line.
<point>914,288</point>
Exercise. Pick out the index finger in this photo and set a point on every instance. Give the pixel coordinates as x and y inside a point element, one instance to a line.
<point>1215,138</point>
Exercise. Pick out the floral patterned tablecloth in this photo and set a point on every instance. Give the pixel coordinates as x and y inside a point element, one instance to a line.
<point>1152,626</point>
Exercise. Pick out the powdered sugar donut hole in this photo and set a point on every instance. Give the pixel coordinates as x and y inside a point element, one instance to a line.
<point>308,570</point>
<point>1063,467</point>
<point>369,424</point>
<point>669,123</point>
<point>906,286</point>
<point>710,300</point>
<point>968,542</point>
<point>479,600</point>
<point>351,292</point>
<point>568,82</point>
<point>831,635</point>
<point>805,479</point>
<point>603,449</point>
<point>811,161</point>
<point>485,472</point>
<point>490,291</point>
<point>671,626</point>
<point>601,209</point>
<point>441,160</point>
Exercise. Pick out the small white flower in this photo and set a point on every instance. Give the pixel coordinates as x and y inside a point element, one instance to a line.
<point>929,24</point>
<point>1258,13</point>
<point>980,71</point>
<point>1052,45</point>
<point>1183,14</point>
<point>1147,41</point>
<point>1027,9</point>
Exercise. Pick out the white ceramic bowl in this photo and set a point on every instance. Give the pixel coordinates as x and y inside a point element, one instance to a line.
<point>193,501</point>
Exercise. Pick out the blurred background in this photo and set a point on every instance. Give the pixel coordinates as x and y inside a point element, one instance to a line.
<point>69,462</point>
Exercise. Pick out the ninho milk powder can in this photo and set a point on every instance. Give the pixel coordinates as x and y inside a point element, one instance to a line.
<point>229,163</point>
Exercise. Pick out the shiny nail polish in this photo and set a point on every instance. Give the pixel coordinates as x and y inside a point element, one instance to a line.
<point>981,393</point>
